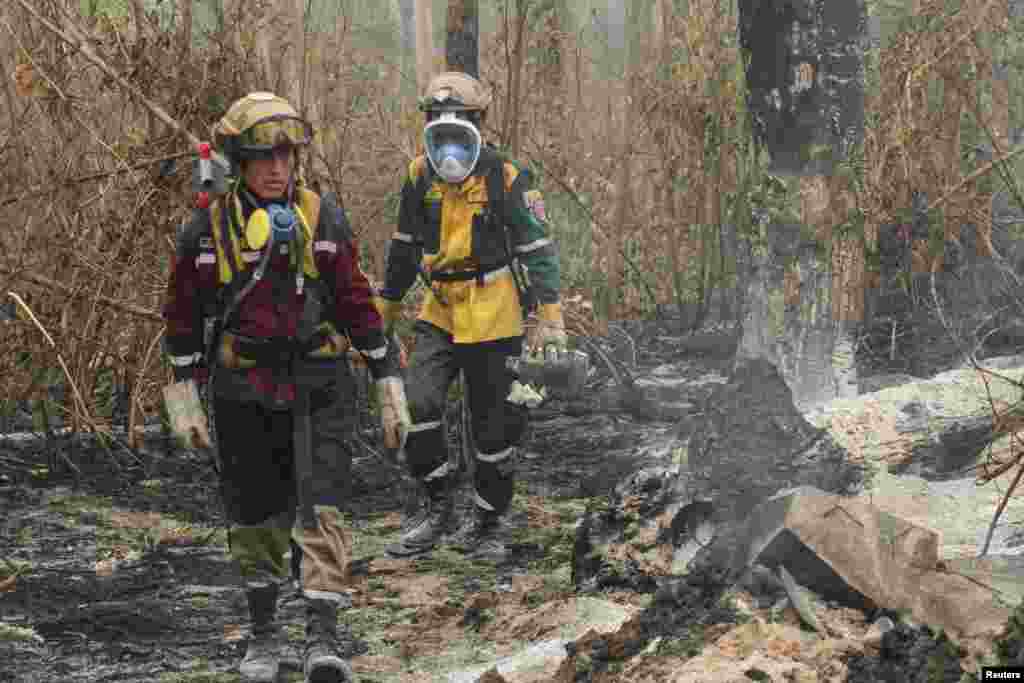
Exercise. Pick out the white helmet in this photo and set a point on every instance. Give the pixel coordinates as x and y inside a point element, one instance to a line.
<point>455,104</point>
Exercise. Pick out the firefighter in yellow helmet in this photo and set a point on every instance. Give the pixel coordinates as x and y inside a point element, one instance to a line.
<point>469,222</point>
<point>274,266</point>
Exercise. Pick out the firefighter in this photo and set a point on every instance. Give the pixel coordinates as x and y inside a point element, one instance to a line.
<point>275,266</point>
<point>473,228</point>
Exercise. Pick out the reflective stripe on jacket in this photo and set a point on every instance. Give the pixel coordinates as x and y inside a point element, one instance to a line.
<point>195,290</point>
<point>453,228</point>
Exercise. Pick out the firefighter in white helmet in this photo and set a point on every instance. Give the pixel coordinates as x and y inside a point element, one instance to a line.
<point>472,226</point>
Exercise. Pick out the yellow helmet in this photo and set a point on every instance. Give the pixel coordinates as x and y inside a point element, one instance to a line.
<point>254,125</point>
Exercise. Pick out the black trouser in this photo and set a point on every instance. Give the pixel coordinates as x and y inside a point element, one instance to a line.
<point>497,424</point>
<point>257,480</point>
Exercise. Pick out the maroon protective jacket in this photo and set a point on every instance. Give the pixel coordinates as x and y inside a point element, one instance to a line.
<point>272,309</point>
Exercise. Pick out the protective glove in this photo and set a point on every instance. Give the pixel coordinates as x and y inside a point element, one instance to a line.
<point>547,329</point>
<point>394,412</point>
<point>389,310</point>
<point>186,415</point>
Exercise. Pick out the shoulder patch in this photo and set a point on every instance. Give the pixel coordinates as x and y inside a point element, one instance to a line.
<point>535,202</point>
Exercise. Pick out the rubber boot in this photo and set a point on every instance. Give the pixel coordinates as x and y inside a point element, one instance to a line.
<point>424,531</point>
<point>414,509</point>
<point>481,536</point>
<point>322,662</point>
<point>263,653</point>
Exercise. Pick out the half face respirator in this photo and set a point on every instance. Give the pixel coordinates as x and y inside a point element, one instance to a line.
<point>276,224</point>
<point>278,228</point>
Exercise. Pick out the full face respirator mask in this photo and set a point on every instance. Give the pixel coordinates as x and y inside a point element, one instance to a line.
<point>452,146</point>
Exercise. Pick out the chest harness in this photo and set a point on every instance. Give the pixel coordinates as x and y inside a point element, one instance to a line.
<point>493,170</point>
<point>240,268</point>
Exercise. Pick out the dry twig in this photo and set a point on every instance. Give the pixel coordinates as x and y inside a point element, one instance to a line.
<point>67,291</point>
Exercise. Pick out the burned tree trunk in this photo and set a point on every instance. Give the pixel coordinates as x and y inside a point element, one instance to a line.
<point>806,99</point>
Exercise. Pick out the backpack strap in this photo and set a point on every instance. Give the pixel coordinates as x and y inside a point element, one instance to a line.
<point>496,191</point>
<point>224,220</point>
<point>419,193</point>
<point>497,199</point>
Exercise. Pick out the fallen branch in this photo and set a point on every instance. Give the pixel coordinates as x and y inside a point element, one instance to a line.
<point>622,375</point>
<point>10,460</point>
<point>999,510</point>
<point>1006,423</point>
<point>996,423</point>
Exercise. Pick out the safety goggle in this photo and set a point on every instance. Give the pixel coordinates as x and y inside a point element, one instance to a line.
<point>266,134</point>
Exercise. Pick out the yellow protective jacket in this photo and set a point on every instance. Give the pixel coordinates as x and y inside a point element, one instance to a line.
<point>447,231</point>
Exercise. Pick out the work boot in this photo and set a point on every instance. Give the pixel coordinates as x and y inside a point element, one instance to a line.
<point>263,653</point>
<point>414,509</point>
<point>424,530</point>
<point>481,535</point>
<point>322,661</point>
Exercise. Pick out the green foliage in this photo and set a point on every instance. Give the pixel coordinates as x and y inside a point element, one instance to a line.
<point>98,8</point>
<point>9,568</point>
<point>569,219</point>
<point>687,644</point>
<point>853,226</point>
<point>753,185</point>
<point>872,257</point>
<point>558,544</point>
<point>9,633</point>
<point>937,662</point>
<point>1011,643</point>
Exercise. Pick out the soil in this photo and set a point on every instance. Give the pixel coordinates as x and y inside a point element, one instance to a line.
<point>120,572</point>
